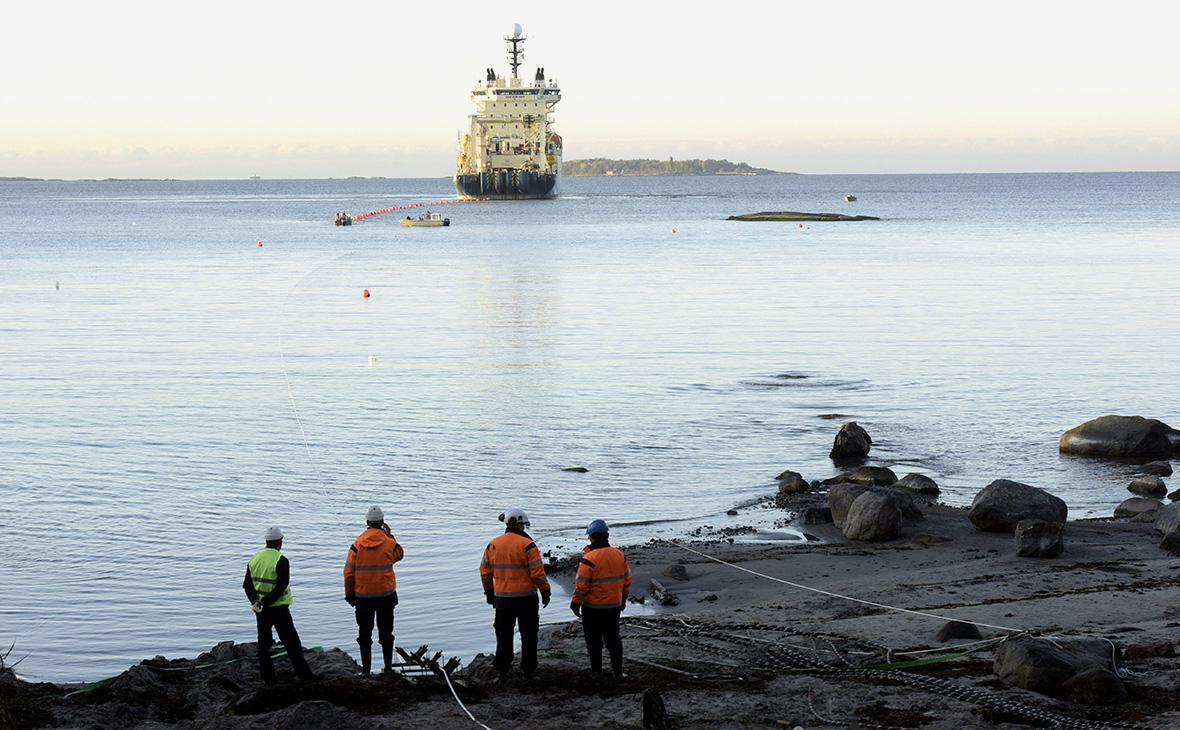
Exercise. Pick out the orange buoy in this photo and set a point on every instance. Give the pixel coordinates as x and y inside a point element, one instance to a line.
<point>365,293</point>
<point>260,244</point>
<point>673,230</point>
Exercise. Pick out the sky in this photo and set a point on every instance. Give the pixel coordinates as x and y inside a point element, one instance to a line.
<point>232,89</point>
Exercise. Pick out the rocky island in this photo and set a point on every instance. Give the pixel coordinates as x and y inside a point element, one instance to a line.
<point>790,216</point>
<point>644,167</point>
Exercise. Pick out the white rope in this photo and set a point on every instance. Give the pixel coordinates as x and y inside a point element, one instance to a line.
<point>845,598</point>
<point>461,705</point>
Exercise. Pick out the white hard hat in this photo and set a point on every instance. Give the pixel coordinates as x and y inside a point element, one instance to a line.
<point>375,514</point>
<point>514,515</point>
<point>273,533</point>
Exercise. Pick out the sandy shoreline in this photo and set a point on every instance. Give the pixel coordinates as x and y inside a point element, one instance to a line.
<point>1112,581</point>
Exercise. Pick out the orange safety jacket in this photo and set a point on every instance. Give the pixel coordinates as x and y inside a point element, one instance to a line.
<point>604,578</point>
<point>512,567</point>
<point>368,569</point>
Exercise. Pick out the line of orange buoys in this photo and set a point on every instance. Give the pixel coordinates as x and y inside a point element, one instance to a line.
<point>407,206</point>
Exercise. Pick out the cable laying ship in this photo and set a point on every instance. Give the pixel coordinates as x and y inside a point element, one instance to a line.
<point>510,152</point>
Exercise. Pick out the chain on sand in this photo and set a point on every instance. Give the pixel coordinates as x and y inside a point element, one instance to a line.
<point>731,645</point>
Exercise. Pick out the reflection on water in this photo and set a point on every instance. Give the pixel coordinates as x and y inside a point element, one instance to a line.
<point>185,388</point>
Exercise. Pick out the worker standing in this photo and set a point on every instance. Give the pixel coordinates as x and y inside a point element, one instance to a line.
<point>600,595</point>
<point>268,586</point>
<point>370,586</point>
<point>512,575</point>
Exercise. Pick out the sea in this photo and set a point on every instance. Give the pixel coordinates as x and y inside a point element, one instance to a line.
<point>186,363</point>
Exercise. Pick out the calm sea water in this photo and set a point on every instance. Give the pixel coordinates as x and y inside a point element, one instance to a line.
<point>186,388</point>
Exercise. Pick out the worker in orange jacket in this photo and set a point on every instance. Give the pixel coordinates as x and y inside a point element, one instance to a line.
<point>370,586</point>
<point>512,575</point>
<point>600,595</point>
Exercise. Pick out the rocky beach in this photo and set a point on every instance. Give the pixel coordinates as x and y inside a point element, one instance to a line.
<point>894,611</point>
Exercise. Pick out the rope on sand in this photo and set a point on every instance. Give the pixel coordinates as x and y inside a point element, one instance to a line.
<point>462,706</point>
<point>846,598</point>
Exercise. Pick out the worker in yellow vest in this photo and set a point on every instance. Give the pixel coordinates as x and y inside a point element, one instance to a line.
<point>268,586</point>
<point>600,595</point>
<point>512,575</point>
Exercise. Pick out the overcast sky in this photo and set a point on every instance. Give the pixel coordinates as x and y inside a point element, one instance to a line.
<point>231,89</point>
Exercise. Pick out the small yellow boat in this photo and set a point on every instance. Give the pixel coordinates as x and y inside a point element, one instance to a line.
<point>426,220</point>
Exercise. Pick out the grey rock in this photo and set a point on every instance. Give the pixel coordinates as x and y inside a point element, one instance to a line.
<point>1168,519</point>
<point>841,496</point>
<point>869,475</point>
<point>1174,496</point>
<point>919,484</point>
<point>1147,517</point>
<point>851,442</point>
<point>576,469</point>
<point>958,630</point>
<point>1096,686</point>
<point>816,516</point>
<point>1004,503</point>
<point>1045,666</point>
<point>1120,437</point>
<point>840,499</point>
<point>788,474</point>
<point>794,485</point>
<point>873,517</point>
<point>1171,543</point>
<point>676,571</point>
<point>1148,486</point>
<point>1159,468</point>
<point>1136,506</point>
<point>1039,539</point>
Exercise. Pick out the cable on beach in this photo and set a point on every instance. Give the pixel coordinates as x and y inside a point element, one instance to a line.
<point>847,598</point>
<point>462,706</point>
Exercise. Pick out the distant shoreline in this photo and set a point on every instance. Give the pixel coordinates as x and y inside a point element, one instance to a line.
<point>18,179</point>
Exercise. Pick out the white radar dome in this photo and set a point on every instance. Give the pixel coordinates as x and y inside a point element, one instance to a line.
<point>517,31</point>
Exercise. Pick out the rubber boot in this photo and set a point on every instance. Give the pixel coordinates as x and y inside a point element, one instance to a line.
<point>387,655</point>
<point>366,658</point>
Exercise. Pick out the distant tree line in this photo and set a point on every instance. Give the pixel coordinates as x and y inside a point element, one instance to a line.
<point>605,166</point>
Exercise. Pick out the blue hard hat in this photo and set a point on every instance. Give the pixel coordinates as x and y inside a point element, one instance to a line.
<point>596,527</point>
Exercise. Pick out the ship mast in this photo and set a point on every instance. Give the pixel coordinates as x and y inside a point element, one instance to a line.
<point>515,48</point>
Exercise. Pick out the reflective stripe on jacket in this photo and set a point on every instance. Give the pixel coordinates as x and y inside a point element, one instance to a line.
<point>264,573</point>
<point>604,578</point>
<point>512,567</point>
<point>368,569</point>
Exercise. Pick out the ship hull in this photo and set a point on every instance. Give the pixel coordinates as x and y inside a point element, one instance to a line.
<point>507,185</point>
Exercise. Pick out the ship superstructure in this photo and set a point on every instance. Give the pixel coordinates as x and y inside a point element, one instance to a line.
<point>510,152</point>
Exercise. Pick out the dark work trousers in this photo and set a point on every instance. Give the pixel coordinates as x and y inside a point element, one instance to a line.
<point>380,609</point>
<point>601,626</point>
<point>510,612</point>
<point>279,618</point>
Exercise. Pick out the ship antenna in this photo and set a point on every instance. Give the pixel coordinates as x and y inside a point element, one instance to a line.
<point>515,48</point>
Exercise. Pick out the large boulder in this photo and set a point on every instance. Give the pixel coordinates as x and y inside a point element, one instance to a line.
<point>1120,436</point>
<point>841,496</point>
<point>1045,666</point>
<point>1167,520</point>
<point>1136,506</point>
<point>874,516</point>
<point>853,442</point>
<point>1173,435</point>
<point>1004,503</point>
<point>840,499</point>
<point>1158,468</point>
<point>870,475</point>
<point>1148,486</point>
<point>1039,539</point>
<point>918,484</point>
